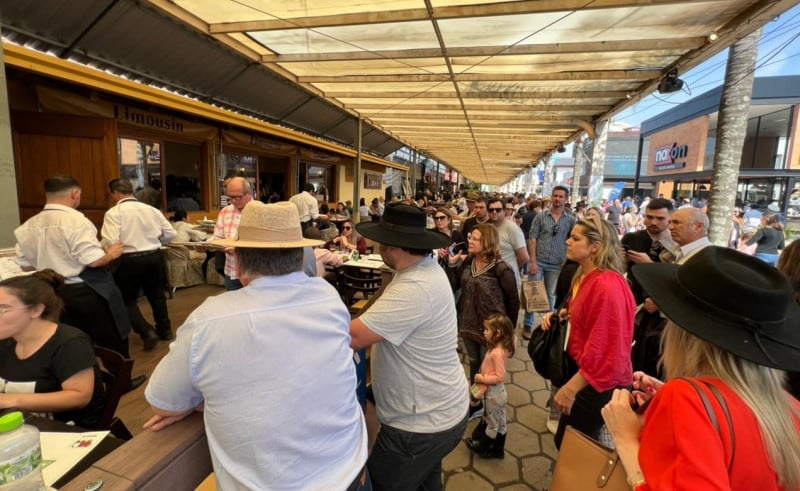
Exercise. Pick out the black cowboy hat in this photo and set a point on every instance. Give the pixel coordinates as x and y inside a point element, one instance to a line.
<point>734,301</point>
<point>404,226</point>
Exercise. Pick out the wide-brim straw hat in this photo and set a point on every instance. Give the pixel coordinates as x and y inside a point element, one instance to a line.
<point>404,226</point>
<point>269,226</point>
<point>734,301</point>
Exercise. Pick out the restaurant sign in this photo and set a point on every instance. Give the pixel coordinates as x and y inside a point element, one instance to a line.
<point>671,156</point>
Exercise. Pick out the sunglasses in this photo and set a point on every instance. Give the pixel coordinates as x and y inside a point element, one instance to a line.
<point>439,217</point>
<point>348,228</point>
<point>555,230</point>
<point>495,210</point>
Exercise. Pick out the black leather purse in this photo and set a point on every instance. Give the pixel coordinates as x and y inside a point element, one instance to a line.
<point>546,349</point>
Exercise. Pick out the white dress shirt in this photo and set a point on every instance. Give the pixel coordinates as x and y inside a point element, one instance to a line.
<point>692,248</point>
<point>59,238</point>
<point>138,226</point>
<point>306,205</point>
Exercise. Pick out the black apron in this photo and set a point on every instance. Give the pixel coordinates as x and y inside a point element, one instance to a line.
<point>101,281</point>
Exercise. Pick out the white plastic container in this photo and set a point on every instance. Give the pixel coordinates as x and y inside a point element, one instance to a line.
<point>20,455</point>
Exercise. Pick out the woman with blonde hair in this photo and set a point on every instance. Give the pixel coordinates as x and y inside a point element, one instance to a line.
<point>349,240</point>
<point>723,419</point>
<point>600,311</point>
<point>789,264</point>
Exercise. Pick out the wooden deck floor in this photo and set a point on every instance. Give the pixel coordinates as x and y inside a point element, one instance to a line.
<point>133,408</point>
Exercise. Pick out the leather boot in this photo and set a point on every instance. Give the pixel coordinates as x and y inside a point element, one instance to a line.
<point>494,449</point>
<point>479,432</point>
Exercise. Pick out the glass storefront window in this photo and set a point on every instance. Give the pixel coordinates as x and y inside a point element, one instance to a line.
<point>182,170</point>
<point>140,163</point>
<point>165,175</point>
<point>794,201</point>
<point>321,176</point>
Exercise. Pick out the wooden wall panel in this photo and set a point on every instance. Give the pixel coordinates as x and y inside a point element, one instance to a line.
<point>48,144</point>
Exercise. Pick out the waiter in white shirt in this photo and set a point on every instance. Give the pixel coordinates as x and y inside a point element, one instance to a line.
<point>306,205</point>
<point>142,230</point>
<point>62,239</point>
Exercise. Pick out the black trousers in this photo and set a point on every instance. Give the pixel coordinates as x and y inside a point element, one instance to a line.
<point>89,312</point>
<point>144,272</point>
<point>585,415</point>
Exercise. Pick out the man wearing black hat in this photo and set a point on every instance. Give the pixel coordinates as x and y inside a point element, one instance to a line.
<point>420,390</point>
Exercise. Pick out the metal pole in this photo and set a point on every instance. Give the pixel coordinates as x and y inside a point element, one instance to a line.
<point>357,174</point>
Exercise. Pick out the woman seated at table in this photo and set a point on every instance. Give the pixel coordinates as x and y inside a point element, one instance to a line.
<point>341,210</point>
<point>45,367</point>
<point>349,240</point>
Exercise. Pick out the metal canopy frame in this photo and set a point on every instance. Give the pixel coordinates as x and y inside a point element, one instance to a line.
<point>487,87</point>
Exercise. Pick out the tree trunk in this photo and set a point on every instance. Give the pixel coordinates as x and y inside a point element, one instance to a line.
<point>577,170</point>
<point>598,163</point>
<point>731,132</point>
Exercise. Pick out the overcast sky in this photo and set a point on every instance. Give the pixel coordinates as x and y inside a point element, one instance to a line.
<point>778,54</point>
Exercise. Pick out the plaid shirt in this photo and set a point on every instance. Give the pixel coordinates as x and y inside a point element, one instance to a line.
<point>226,227</point>
<point>551,248</point>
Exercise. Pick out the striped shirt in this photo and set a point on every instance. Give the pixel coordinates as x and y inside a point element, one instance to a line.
<point>226,228</point>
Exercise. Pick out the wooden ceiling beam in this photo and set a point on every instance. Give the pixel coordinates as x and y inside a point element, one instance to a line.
<point>649,45</point>
<point>488,94</point>
<point>516,108</point>
<point>410,15</point>
<point>642,75</point>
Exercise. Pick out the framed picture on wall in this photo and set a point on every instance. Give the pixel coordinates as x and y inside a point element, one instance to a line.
<point>372,181</point>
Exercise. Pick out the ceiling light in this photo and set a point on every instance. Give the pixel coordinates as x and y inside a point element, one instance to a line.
<point>670,82</point>
<point>713,37</point>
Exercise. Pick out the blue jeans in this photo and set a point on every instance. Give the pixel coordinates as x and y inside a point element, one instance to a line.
<point>402,460</point>
<point>548,272</point>
<point>232,283</point>
<point>771,259</point>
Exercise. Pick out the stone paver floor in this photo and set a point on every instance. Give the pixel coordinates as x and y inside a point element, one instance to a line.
<point>530,451</point>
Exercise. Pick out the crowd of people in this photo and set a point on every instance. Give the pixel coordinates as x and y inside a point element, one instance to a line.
<point>645,293</point>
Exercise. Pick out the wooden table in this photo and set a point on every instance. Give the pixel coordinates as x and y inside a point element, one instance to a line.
<point>105,447</point>
<point>175,458</point>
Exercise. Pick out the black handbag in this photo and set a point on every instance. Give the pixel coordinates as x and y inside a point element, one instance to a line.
<point>546,349</point>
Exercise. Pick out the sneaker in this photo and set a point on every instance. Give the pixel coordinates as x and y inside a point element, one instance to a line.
<point>527,331</point>
<point>475,412</point>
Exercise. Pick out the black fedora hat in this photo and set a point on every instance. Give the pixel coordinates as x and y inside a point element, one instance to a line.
<point>734,301</point>
<point>404,226</point>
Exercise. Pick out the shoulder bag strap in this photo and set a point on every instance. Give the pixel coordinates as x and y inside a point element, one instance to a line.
<point>712,415</point>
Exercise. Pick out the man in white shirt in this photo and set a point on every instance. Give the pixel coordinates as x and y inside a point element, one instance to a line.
<point>420,390</point>
<point>275,418</point>
<point>513,248</point>
<point>307,205</point>
<point>62,239</point>
<point>142,230</point>
<point>689,229</point>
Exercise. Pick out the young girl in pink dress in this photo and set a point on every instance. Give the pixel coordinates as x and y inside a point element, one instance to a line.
<point>489,438</point>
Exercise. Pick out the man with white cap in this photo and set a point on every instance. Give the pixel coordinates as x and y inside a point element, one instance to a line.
<point>418,382</point>
<point>243,358</point>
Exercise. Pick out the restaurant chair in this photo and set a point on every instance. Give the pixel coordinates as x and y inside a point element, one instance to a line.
<point>357,286</point>
<point>115,371</point>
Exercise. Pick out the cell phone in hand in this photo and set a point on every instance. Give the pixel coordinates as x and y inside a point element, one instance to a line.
<point>458,248</point>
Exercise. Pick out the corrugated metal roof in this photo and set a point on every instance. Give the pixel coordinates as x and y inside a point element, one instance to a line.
<point>142,44</point>
<point>490,87</point>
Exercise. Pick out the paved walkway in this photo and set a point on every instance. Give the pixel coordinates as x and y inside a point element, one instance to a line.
<point>530,451</point>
